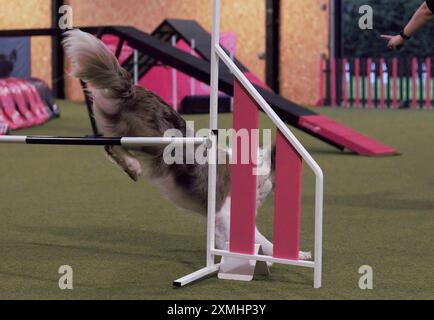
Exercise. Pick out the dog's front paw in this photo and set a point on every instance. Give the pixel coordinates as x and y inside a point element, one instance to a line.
<point>133,169</point>
<point>305,255</point>
<point>128,164</point>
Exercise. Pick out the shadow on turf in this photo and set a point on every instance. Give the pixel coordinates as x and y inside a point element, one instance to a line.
<point>120,241</point>
<point>27,276</point>
<point>185,250</point>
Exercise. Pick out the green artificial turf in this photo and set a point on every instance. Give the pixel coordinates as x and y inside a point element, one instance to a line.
<point>70,206</point>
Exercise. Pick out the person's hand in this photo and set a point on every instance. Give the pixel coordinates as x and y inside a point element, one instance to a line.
<point>394,42</point>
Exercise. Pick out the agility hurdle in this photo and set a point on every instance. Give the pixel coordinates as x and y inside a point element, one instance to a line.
<point>242,251</point>
<point>238,261</point>
<point>101,141</point>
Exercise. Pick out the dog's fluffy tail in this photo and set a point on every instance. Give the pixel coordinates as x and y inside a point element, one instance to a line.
<point>97,66</point>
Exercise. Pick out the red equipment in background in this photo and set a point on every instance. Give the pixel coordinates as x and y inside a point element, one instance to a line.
<point>4,126</point>
<point>14,118</point>
<point>21,105</point>
<point>382,83</point>
<point>34,100</point>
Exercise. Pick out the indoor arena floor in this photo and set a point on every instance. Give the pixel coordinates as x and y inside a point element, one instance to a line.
<point>123,240</point>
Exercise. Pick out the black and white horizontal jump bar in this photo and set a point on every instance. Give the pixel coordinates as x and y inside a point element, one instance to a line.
<point>102,141</point>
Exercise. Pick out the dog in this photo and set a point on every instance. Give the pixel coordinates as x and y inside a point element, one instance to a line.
<point>124,109</point>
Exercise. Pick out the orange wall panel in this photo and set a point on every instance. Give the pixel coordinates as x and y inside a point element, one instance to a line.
<point>304,38</point>
<point>24,14</point>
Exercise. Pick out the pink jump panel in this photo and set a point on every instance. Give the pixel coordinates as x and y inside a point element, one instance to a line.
<point>287,201</point>
<point>243,181</point>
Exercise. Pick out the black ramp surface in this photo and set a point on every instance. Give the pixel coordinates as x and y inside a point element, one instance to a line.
<point>200,70</point>
<point>190,30</point>
<point>187,30</point>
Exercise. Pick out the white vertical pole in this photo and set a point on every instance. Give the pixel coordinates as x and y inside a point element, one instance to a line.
<point>174,82</point>
<point>213,124</point>
<point>193,80</point>
<point>136,67</point>
<point>318,230</point>
<point>232,98</point>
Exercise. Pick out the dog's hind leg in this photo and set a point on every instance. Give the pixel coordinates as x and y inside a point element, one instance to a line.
<point>266,245</point>
<point>128,163</point>
<point>222,225</point>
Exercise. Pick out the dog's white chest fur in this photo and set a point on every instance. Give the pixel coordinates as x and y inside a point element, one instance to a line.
<point>169,189</point>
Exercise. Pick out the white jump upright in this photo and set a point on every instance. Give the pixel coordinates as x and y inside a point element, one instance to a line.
<point>217,54</point>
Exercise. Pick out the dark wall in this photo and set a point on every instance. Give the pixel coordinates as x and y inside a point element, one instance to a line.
<point>272,44</point>
<point>57,55</point>
<point>15,57</point>
<point>390,17</point>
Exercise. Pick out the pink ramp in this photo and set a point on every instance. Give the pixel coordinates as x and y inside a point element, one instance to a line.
<point>256,81</point>
<point>33,101</point>
<point>4,127</point>
<point>159,78</point>
<point>347,137</point>
<point>112,43</point>
<point>243,181</point>
<point>20,102</point>
<point>287,200</point>
<point>14,119</point>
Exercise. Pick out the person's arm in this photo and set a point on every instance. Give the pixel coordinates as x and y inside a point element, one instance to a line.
<point>422,16</point>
